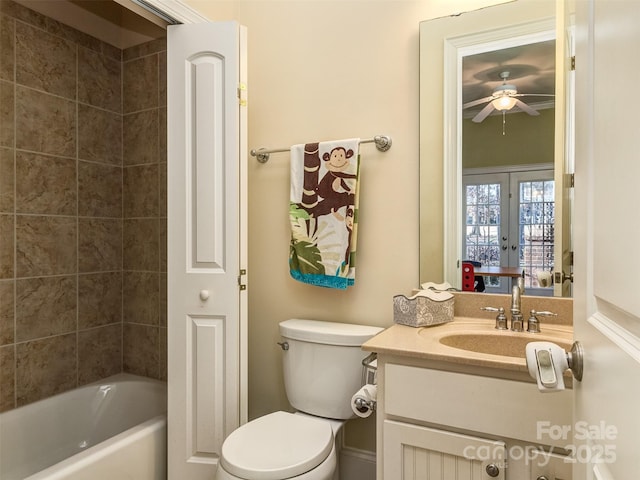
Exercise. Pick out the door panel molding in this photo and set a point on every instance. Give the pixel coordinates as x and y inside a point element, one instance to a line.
<point>619,335</point>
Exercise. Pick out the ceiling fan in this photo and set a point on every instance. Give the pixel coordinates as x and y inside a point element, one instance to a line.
<point>502,99</point>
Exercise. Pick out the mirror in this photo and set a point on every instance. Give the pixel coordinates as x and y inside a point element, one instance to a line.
<point>449,143</point>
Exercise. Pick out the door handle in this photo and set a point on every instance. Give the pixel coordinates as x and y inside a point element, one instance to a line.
<point>561,277</point>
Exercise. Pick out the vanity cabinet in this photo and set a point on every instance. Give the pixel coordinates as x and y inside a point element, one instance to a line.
<point>435,424</point>
<point>413,452</point>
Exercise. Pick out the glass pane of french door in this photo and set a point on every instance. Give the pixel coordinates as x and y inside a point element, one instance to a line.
<point>485,229</point>
<point>533,195</point>
<point>509,222</point>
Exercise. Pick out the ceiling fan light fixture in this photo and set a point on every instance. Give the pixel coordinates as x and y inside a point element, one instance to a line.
<point>504,103</point>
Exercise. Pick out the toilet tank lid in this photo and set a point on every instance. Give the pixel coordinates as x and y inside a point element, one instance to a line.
<point>330,333</point>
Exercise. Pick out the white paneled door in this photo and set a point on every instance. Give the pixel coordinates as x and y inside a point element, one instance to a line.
<point>206,243</point>
<point>606,430</point>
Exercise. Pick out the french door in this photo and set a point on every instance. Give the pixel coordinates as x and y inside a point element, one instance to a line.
<point>508,221</point>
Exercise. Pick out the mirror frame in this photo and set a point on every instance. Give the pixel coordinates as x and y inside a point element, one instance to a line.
<point>455,49</point>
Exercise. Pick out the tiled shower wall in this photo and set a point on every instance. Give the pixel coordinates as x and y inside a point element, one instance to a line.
<point>82,208</point>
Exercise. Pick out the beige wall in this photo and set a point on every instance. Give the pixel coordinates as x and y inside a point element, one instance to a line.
<point>321,70</point>
<point>527,140</point>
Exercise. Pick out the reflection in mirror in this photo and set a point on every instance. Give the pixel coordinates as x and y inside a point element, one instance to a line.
<point>507,194</point>
<point>498,202</point>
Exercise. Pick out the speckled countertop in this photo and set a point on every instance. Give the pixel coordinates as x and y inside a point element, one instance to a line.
<point>468,340</point>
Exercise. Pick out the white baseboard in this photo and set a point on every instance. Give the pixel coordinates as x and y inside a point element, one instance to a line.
<point>357,464</point>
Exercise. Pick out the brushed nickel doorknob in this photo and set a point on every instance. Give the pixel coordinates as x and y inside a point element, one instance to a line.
<point>492,470</point>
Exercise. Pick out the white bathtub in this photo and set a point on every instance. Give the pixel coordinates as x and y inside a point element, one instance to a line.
<point>113,429</point>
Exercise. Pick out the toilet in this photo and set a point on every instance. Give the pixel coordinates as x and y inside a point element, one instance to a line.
<point>322,364</point>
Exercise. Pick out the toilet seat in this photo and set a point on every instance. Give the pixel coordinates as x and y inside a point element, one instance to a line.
<point>276,446</point>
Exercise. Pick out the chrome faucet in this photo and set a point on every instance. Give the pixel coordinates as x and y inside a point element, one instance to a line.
<point>533,324</point>
<point>516,313</point>
<point>501,318</point>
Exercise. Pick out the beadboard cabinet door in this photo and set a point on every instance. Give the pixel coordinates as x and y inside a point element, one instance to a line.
<point>414,452</point>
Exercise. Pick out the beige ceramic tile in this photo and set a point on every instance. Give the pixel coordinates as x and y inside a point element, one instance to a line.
<point>99,245</point>
<point>162,189</point>
<point>45,184</point>
<point>140,191</point>
<point>45,123</point>
<point>7,126</point>
<point>45,306</point>
<point>141,350</point>
<point>7,48</point>
<point>8,7</point>
<point>72,35</point>
<point>99,299</point>
<point>45,245</point>
<point>162,317</point>
<point>99,190</point>
<point>163,354</point>
<point>7,311</point>
<point>140,137</point>
<point>162,246</point>
<point>99,135</point>
<point>7,180</point>
<point>99,353</point>
<point>45,62</point>
<point>144,49</point>
<point>45,367</point>
<point>7,378</point>
<point>162,79</point>
<point>7,224</point>
<point>141,297</point>
<point>162,134</point>
<point>112,52</point>
<point>140,241</point>
<point>140,84</point>
<point>99,80</point>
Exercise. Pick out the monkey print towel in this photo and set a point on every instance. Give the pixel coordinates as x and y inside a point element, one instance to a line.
<point>323,212</point>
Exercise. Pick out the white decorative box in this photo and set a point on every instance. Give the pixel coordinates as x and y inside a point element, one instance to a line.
<point>425,308</point>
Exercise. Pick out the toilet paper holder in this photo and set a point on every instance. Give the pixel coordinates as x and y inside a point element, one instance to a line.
<point>363,402</point>
<point>364,405</point>
<point>370,369</point>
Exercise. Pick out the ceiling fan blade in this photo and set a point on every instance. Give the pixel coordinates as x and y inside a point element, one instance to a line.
<point>477,102</point>
<point>533,95</point>
<point>484,113</point>
<point>526,108</point>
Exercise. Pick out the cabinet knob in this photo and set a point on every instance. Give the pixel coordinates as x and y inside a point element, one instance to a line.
<point>493,470</point>
<point>542,477</point>
<point>204,295</point>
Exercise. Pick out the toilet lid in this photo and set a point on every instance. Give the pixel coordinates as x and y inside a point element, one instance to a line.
<point>277,446</point>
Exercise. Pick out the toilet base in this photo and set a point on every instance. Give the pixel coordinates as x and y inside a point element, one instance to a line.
<point>324,471</point>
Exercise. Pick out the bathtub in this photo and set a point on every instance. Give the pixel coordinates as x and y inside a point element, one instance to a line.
<point>112,429</point>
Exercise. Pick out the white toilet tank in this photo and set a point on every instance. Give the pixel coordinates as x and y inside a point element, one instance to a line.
<point>323,365</point>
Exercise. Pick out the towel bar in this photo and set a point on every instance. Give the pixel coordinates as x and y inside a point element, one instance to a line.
<point>383,143</point>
